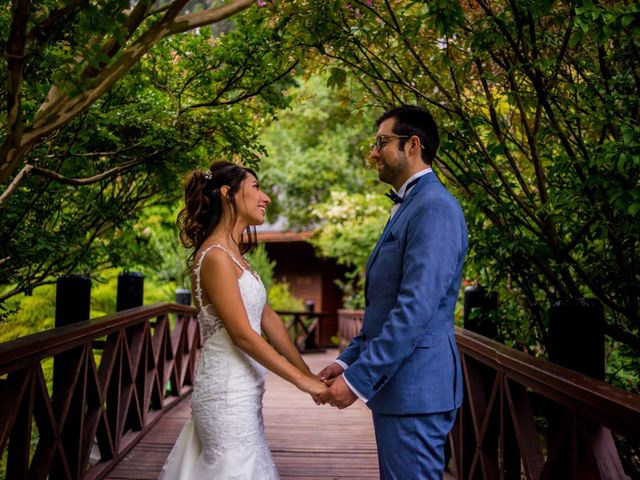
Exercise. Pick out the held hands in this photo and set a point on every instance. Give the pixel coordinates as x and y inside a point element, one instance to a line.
<point>312,385</point>
<point>338,394</point>
<point>330,371</point>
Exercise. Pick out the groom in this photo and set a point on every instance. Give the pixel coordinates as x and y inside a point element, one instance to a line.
<point>404,363</point>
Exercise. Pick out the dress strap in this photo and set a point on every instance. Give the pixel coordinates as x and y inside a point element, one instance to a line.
<point>199,266</point>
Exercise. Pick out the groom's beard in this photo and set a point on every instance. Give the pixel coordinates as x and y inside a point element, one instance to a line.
<point>388,173</point>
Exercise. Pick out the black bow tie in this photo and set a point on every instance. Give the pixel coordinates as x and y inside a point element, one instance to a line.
<point>395,198</point>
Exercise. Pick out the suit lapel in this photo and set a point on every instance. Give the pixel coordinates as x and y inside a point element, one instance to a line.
<point>428,178</point>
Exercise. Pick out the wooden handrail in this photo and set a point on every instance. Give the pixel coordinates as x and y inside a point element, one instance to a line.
<point>305,337</point>
<point>112,379</point>
<point>49,342</point>
<point>498,433</point>
<point>146,366</point>
<point>606,404</point>
<point>303,312</point>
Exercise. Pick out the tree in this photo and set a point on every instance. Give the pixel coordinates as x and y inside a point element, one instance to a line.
<point>538,104</point>
<point>94,46</point>
<point>194,98</point>
<point>351,225</point>
<point>315,147</point>
<point>315,171</point>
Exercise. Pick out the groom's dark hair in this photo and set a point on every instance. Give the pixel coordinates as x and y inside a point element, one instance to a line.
<point>412,120</point>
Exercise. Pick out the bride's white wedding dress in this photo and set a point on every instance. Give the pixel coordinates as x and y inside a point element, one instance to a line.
<point>224,438</point>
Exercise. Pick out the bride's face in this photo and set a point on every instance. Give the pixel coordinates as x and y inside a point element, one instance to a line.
<point>251,201</point>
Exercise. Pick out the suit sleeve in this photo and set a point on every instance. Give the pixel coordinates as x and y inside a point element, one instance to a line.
<point>429,262</point>
<point>352,351</point>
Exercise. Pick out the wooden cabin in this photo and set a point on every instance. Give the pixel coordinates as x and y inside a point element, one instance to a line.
<point>310,278</point>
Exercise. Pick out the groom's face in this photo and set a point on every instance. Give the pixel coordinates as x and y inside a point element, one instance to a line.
<point>391,161</point>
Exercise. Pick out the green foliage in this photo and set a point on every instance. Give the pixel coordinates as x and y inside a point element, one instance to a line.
<point>158,225</point>
<point>278,294</point>
<point>195,98</point>
<point>315,155</point>
<point>537,104</point>
<point>29,314</point>
<point>350,226</point>
<point>315,146</point>
<point>262,265</point>
<point>281,298</point>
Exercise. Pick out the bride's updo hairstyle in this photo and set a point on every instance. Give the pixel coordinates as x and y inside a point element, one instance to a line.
<point>203,205</point>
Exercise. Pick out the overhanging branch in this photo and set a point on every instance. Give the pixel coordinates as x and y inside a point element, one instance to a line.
<point>33,170</point>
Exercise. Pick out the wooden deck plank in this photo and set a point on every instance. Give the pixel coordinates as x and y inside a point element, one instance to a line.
<point>308,442</point>
<point>318,442</point>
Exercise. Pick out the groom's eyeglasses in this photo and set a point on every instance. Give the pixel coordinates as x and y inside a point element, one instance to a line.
<point>382,140</point>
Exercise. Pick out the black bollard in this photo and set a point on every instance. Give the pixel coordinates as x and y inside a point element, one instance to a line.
<point>183,296</point>
<point>576,341</point>
<point>73,299</point>
<point>130,290</point>
<point>478,305</point>
<point>73,304</point>
<point>576,336</point>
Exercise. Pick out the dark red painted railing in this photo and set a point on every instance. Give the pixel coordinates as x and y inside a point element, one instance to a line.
<point>112,379</point>
<point>525,417</point>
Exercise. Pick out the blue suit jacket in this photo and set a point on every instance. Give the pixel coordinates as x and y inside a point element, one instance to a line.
<point>405,359</point>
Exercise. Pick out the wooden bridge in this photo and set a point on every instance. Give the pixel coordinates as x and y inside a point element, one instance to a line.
<point>106,398</point>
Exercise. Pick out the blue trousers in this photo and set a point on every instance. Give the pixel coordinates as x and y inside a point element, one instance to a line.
<point>412,446</point>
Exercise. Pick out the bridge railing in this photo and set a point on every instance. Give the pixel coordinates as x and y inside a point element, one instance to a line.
<point>525,417</point>
<point>74,400</point>
<point>304,327</point>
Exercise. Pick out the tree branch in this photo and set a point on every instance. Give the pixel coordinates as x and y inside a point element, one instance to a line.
<point>16,45</point>
<point>188,22</point>
<point>33,170</point>
<point>59,109</point>
<point>15,182</point>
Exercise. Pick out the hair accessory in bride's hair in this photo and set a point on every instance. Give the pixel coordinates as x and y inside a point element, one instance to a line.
<point>208,175</point>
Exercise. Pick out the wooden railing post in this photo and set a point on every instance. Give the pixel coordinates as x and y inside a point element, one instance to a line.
<point>576,341</point>
<point>73,305</point>
<point>478,305</point>
<point>73,299</point>
<point>313,333</point>
<point>576,336</point>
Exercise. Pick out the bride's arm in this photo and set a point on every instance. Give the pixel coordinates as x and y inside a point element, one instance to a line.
<point>219,277</point>
<point>278,336</point>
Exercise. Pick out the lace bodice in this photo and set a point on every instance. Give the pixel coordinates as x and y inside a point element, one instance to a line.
<point>251,289</point>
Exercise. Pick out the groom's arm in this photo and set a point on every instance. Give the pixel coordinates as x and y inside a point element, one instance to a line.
<point>351,353</point>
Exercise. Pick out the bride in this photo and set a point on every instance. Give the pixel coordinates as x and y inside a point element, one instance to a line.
<point>224,439</point>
